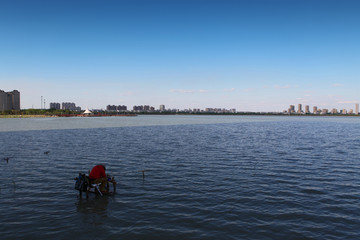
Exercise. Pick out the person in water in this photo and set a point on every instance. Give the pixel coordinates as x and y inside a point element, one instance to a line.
<point>98,175</point>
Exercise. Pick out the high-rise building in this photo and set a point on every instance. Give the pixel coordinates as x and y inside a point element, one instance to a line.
<point>9,100</point>
<point>111,108</point>
<point>357,109</point>
<point>291,109</point>
<point>315,110</point>
<point>121,108</point>
<point>162,107</point>
<point>334,111</point>
<point>299,108</point>
<point>54,105</point>
<point>15,99</point>
<point>138,108</point>
<point>70,106</point>
<point>146,108</point>
<point>307,109</point>
<point>3,101</point>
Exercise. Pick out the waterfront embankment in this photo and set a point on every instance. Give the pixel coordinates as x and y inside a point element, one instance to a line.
<point>67,115</point>
<point>26,116</point>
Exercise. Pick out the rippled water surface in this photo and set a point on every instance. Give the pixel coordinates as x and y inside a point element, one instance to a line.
<point>209,177</point>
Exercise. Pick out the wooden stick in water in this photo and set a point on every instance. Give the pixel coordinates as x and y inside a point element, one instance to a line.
<point>143,172</point>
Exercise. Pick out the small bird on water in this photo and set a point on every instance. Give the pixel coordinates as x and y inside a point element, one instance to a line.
<point>47,152</point>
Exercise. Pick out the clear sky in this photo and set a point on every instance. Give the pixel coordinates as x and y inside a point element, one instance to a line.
<point>252,55</point>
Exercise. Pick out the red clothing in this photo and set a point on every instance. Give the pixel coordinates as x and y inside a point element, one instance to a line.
<point>97,172</point>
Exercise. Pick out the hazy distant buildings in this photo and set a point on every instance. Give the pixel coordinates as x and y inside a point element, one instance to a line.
<point>9,100</point>
<point>218,110</point>
<point>119,108</point>
<point>138,108</point>
<point>162,108</point>
<point>54,105</point>
<point>111,108</point>
<point>315,110</point>
<point>70,106</point>
<point>307,109</point>
<point>299,108</point>
<point>142,108</point>
<point>291,109</point>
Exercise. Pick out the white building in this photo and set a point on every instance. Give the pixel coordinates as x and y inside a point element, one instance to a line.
<point>87,112</point>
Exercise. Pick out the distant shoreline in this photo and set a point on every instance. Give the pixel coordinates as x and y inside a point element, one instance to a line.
<point>25,116</point>
<point>64,115</point>
<point>174,114</point>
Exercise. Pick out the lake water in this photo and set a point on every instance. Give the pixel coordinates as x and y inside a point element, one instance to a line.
<point>210,177</point>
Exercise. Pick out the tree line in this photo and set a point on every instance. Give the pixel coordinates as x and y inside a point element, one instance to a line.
<point>38,112</point>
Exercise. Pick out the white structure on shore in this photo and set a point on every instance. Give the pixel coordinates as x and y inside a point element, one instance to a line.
<point>87,112</point>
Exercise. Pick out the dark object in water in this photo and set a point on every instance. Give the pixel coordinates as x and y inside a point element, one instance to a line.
<point>83,184</point>
<point>6,159</point>
<point>47,152</point>
<point>143,172</point>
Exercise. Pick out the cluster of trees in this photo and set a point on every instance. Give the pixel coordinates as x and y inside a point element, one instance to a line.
<point>37,112</point>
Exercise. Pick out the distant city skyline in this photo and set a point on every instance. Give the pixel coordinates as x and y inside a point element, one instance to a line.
<point>11,101</point>
<point>316,110</point>
<point>257,56</point>
<point>148,108</point>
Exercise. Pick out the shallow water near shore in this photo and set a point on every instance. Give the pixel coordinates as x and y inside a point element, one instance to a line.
<point>209,177</point>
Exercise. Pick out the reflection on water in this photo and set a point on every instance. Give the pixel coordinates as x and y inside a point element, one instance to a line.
<point>94,209</point>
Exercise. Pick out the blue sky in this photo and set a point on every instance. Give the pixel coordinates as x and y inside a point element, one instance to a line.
<point>252,55</point>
